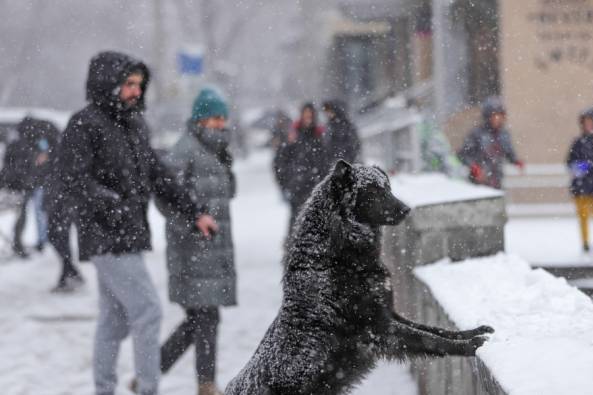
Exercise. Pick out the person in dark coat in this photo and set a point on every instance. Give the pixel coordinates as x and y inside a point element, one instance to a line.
<point>280,128</point>
<point>341,136</point>
<point>54,214</point>
<point>61,211</point>
<point>26,168</point>
<point>487,147</point>
<point>302,161</point>
<point>580,164</point>
<point>109,168</point>
<point>201,270</point>
<point>12,179</point>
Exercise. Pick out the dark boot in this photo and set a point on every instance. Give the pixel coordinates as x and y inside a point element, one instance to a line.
<point>19,250</point>
<point>208,389</point>
<point>68,283</point>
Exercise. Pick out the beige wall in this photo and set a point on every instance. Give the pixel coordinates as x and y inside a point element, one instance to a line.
<point>546,73</point>
<point>421,57</point>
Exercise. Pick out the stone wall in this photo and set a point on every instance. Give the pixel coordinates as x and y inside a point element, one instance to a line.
<point>450,375</point>
<point>458,230</point>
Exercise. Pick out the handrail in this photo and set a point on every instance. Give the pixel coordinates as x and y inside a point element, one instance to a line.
<point>392,139</point>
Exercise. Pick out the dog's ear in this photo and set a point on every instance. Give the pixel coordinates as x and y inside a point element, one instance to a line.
<point>342,178</point>
<point>342,172</point>
<point>382,171</point>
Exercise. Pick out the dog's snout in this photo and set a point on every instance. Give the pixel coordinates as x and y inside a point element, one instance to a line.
<point>405,210</point>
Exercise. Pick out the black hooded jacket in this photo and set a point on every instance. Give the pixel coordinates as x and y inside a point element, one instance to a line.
<point>302,164</point>
<point>341,135</point>
<point>581,152</point>
<point>108,167</point>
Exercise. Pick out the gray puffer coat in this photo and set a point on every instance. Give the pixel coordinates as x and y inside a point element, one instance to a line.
<point>201,271</point>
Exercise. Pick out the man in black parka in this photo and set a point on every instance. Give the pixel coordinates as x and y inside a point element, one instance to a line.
<point>107,165</point>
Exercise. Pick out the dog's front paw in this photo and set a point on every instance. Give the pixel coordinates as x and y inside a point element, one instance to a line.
<point>475,343</point>
<point>481,330</point>
<point>484,329</point>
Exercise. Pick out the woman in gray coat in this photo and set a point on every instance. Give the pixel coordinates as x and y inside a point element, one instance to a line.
<point>201,269</point>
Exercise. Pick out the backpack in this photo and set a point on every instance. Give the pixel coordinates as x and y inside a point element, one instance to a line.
<point>13,174</point>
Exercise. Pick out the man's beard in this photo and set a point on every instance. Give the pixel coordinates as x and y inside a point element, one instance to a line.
<point>130,103</point>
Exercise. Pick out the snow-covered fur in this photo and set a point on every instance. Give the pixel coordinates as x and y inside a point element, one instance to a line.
<point>337,318</point>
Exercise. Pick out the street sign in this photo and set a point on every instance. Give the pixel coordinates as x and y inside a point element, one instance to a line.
<point>190,62</point>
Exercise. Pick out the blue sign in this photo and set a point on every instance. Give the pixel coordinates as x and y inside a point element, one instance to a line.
<point>189,63</point>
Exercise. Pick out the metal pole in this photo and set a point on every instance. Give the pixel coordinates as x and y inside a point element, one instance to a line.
<point>439,71</point>
<point>158,50</point>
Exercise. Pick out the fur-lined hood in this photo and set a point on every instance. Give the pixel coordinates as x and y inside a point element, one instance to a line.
<point>107,71</point>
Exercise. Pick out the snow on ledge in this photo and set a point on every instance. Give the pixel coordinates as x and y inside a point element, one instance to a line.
<point>434,188</point>
<point>543,342</point>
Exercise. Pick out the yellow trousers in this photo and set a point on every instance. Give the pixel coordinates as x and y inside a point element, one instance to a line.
<point>584,211</point>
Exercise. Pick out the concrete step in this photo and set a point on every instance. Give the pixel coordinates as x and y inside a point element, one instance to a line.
<point>577,275</point>
<point>569,272</point>
<point>585,285</point>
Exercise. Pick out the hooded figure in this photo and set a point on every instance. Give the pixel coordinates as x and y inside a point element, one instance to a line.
<point>110,170</point>
<point>26,169</point>
<point>580,164</point>
<point>20,171</point>
<point>341,137</point>
<point>107,72</point>
<point>107,162</point>
<point>487,147</point>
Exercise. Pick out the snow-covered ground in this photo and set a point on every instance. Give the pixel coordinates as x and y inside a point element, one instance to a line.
<point>547,241</point>
<point>543,342</point>
<point>46,339</point>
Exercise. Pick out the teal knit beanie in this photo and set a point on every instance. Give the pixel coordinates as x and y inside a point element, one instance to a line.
<point>209,104</point>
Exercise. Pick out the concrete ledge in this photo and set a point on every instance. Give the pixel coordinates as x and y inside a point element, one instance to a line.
<point>569,272</point>
<point>461,214</point>
<point>450,375</point>
<point>441,226</point>
<point>542,344</point>
<point>454,219</point>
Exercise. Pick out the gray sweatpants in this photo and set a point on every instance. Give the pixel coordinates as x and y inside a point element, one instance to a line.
<point>128,304</point>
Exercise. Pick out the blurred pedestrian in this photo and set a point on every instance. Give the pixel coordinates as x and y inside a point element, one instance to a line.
<point>26,166</point>
<point>580,163</point>
<point>280,128</point>
<point>109,168</point>
<point>54,215</point>
<point>201,269</point>
<point>487,147</point>
<point>341,136</point>
<point>61,211</point>
<point>302,161</point>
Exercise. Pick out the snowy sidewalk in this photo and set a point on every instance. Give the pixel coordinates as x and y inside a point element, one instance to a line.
<point>46,339</point>
<point>547,241</point>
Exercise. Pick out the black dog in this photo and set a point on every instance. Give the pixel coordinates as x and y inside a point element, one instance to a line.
<point>337,318</point>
